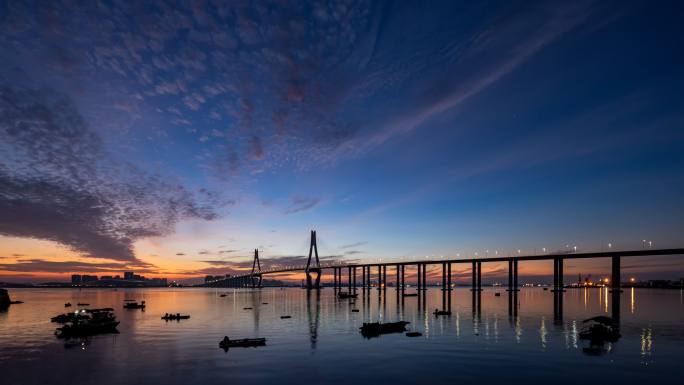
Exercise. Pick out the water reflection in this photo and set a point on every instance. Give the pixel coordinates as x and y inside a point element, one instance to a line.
<point>148,350</point>
<point>543,333</point>
<point>313,315</point>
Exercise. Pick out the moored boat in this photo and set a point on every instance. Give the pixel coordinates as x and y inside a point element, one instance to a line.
<point>134,305</point>
<point>174,317</point>
<point>227,343</point>
<point>86,323</point>
<point>599,330</point>
<point>375,329</point>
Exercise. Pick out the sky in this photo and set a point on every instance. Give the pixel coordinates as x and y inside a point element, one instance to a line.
<point>174,139</point>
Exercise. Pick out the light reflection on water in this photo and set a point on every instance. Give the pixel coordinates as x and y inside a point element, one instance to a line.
<point>321,342</point>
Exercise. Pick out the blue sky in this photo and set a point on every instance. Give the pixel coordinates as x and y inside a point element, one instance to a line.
<point>150,135</point>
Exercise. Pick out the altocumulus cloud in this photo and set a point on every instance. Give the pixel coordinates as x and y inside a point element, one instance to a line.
<point>301,204</point>
<point>57,182</point>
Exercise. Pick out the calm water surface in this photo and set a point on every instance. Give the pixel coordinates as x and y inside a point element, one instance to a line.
<point>321,343</point>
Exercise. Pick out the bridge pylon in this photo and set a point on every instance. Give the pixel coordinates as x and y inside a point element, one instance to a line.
<point>314,267</point>
<point>256,271</point>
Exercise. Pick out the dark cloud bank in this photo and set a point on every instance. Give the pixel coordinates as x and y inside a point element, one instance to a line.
<point>58,183</point>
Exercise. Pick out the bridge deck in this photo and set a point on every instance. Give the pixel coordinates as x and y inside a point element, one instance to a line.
<point>543,257</point>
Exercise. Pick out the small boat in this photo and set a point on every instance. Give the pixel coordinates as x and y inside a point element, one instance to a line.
<point>375,329</point>
<point>599,330</point>
<point>134,305</point>
<point>174,317</point>
<point>441,312</point>
<point>16,302</point>
<point>82,304</point>
<point>410,294</point>
<point>68,304</point>
<point>285,316</point>
<point>246,308</point>
<point>264,303</point>
<point>546,288</point>
<point>223,295</point>
<point>497,294</point>
<point>87,322</point>
<point>355,310</point>
<point>344,295</point>
<point>226,343</point>
<point>70,317</point>
<point>414,334</point>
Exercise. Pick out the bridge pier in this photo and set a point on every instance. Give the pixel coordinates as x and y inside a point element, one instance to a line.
<point>516,286</point>
<point>363,279</point>
<point>379,277</point>
<point>615,274</point>
<point>474,278</point>
<point>384,277</point>
<point>424,276</point>
<point>479,276</point>
<point>354,280</point>
<point>402,278</point>
<point>369,273</point>
<point>615,288</point>
<point>418,276</point>
<point>334,278</point>
<point>558,285</point>
<point>339,279</point>
<point>449,285</point>
<point>444,285</point>
<point>444,274</point>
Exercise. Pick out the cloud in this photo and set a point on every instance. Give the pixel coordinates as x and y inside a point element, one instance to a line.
<point>474,65</point>
<point>57,182</point>
<point>352,252</point>
<point>32,265</point>
<point>180,253</point>
<point>256,147</point>
<point>356,244</point>
<point>295,87</point>
<point>301,204</point>
<point>219,263</point>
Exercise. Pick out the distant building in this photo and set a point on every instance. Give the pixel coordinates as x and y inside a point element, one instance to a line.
<point>76,279</point>
<point>660,283</point>
<point>88,278</point>
<point>159,282</point>
<point>137,277</point>
<point>106,277</point>
<point>128,275</point>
